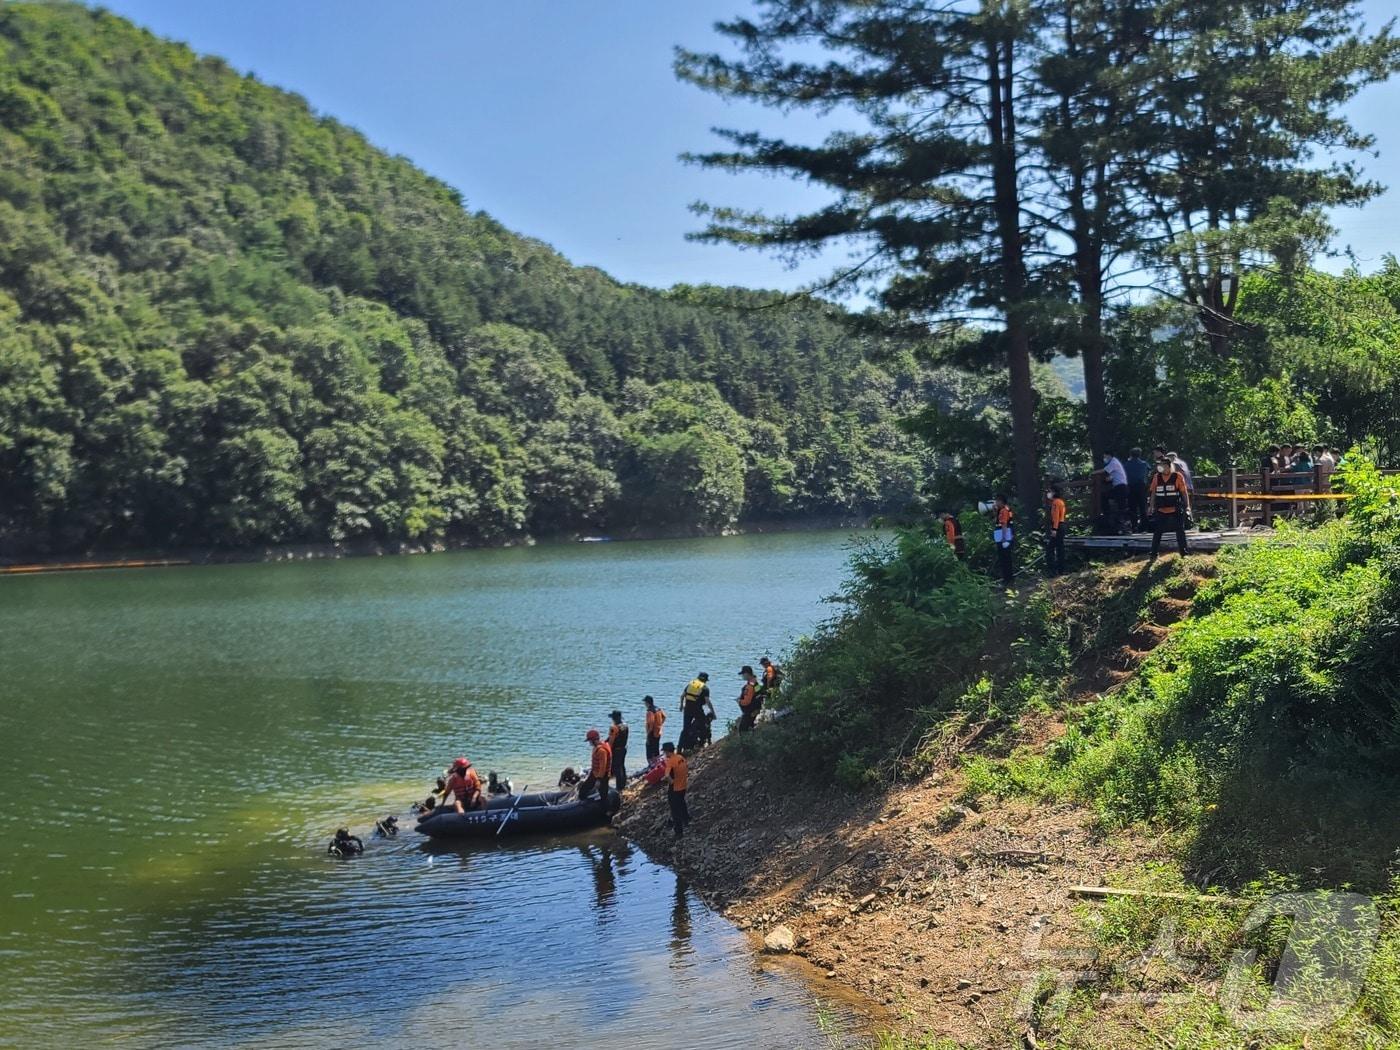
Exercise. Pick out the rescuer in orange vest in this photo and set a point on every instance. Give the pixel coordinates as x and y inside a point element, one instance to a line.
<point>600,768</point>
<point>1055,531</point>
<point>1004,537</point>
<point>1171,503</point>
<point>464,786</point>
<point>749,700</point>
<point>952,532</point>
<point>656,718</point>
<point>677,780</point>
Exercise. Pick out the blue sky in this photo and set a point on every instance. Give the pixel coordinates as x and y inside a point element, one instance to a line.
<point>562,118</point>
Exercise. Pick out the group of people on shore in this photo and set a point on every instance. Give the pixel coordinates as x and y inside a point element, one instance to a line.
<point>1138,495</point>
<point>1142,494</point>
<point>666,762</point>
<point>1298,459</point>
<point>461,787</point>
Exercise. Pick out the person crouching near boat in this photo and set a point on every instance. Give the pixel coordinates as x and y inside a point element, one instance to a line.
<point>464,786</point>
<point>600,768</point>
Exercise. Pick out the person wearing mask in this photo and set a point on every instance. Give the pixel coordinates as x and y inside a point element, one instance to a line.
<point>749,700</point>
<point>656,718</point>
<point>677,781</point>
<point>952,532</point>
<point>1138,472</point>
<point>496,784</point>
<point>1055,531</point>
<point>618,733</point>
<point>1170,504</point>
<point>1003,536</point>
<point>1323,458</point>
<point>599,768</point>
<point>1115,506</point>
<point>465,787</point>
<point>695,705</point>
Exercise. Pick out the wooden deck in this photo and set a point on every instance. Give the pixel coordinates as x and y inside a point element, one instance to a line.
<point>1196,541</point>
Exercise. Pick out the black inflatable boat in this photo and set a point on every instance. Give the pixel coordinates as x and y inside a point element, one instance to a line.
<point>538,812</point>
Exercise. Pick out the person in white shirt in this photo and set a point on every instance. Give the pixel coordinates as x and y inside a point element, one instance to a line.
<point>1116,498</point>
<point>1181,465</point>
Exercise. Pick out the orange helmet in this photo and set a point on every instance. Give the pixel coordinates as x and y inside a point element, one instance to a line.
<point>592,736</point>
<point>462,763</point>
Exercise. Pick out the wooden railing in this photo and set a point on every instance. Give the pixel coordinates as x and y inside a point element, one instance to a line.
<point>1233,490</point>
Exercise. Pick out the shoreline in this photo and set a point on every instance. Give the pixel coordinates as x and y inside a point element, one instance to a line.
<point>99,558</point>
<point>911,907</point>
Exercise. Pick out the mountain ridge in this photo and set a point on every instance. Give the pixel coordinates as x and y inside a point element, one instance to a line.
<point>231,321</point>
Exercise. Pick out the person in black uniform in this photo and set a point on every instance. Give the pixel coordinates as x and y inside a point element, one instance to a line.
<point>617,739</point>
<point>695,700</point>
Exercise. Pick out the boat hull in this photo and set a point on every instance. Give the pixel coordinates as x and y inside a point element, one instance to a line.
<point>546,812</point>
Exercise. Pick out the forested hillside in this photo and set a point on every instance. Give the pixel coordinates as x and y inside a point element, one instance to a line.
<point>227,320</point>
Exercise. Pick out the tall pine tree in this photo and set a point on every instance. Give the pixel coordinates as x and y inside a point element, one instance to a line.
<point>1242,143</point>
<point>928,179</point>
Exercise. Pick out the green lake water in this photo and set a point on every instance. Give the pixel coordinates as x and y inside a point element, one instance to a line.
<point>177,746</point>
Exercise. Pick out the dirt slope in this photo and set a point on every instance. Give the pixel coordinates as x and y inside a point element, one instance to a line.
<point>937,913</point>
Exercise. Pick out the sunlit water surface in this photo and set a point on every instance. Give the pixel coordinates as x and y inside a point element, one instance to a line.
<point>177,745</point>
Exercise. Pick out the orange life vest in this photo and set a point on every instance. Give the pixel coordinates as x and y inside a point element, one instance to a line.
<point>602,761</point>
<point>677,772</point>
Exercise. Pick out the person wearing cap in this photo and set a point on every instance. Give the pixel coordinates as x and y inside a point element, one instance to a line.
<point>749,700</point>
<point>677,780</point>
<point>599,769</point>
<point>617,744</point>
<point>656,718</point>
<point>695,703</point>
<point>465,787</point>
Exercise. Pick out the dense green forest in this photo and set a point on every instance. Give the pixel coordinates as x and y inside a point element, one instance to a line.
<point>225,319</point>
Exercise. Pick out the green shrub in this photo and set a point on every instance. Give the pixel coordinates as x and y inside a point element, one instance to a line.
<point>1268,726</point>
<point>913,623</point>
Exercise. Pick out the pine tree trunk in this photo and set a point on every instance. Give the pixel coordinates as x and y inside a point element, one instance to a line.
<point>1095,400</point>
<point>1006,191</point>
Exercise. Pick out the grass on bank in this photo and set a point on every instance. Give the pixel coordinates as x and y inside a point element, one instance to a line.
<point>1260,738</point>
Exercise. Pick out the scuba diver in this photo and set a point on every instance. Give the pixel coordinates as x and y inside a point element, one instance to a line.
<point>387,827</point>
<point>497,785</point>
<point>345,844</point>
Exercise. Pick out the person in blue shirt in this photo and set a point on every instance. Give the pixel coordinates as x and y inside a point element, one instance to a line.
<point>1138,471</point>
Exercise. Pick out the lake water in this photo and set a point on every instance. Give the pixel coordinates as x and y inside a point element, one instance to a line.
<point>177,746</point>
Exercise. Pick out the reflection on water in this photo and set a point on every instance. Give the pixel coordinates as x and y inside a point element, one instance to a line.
<point>177,747</point>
